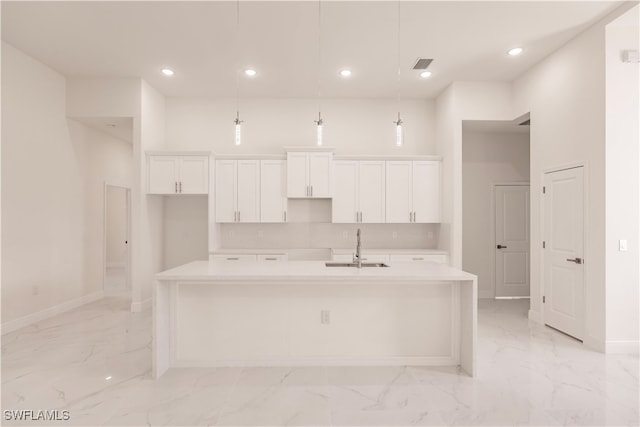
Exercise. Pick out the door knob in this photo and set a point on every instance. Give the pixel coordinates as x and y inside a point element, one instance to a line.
<point>501,247</point>
<point>576,260</point>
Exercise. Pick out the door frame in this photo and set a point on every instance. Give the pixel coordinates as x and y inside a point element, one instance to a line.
<point>492,226</point>
<point>128,258</point>
<point>585,212</point>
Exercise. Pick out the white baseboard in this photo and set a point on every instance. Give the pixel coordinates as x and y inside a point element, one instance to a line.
<point>320,361</point>
<point>116,265</point>
<point>486,294</point>
<point>594,344</point>
<point>32,318</point>
<point>140,306</point>
<point>622,347</point>
<point>534,316</point>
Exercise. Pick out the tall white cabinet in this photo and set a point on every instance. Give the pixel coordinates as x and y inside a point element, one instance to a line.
<point>237,191</point>
<point>309,174</point>
<point>273,191</point>
<point>413,191</point>
<point>359,191</point>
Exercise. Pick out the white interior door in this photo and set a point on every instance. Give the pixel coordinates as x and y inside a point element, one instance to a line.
<point>512,240</point>
<point>564,251</point>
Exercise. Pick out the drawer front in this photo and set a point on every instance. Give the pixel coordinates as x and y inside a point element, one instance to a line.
<point>365,257</point>
<point>442,259</point>
<point>234,257</point>
<point>272,257</point>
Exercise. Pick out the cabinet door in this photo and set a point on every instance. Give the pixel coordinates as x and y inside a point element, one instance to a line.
<point>371,179</point>
<point>163,174</point>
<point>344,206</point>
<point>194,175</point>
<point>248,193</point>
<point>273,194</point>
<point>297,174</point>
<point>320,174</point>
<point>441,259</point>
<point>398,191</point>
<point>226,183</point>
<point>426,191</point>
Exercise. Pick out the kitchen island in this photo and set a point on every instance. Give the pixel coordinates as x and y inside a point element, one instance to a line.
<point>222,313</point>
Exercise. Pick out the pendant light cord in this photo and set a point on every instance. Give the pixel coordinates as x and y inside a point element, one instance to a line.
<point>398,60</point>
<point>237,61</point>
<point>319,55</point>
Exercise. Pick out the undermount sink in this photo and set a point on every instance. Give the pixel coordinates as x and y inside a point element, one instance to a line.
<point>355,264</point>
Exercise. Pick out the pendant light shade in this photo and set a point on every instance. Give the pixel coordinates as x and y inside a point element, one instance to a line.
<point>319,123</point>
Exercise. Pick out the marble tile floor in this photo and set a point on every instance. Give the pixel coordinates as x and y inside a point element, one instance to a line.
<point>95,362</point>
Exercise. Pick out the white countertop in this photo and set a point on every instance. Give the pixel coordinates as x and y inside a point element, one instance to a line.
<point>391,251</point>
<point>292,271</point>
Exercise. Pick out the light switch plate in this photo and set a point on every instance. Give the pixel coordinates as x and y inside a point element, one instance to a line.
<point>622,245</point>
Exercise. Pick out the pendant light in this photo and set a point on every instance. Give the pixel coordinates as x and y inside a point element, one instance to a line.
<point>237,121</point>
<point>319,123</point>
<point>398,123</point>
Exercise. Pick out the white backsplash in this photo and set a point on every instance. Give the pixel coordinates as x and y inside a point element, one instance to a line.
<point>323,235</point>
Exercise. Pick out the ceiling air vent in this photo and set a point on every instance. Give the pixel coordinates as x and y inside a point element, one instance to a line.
<point>422,63</point>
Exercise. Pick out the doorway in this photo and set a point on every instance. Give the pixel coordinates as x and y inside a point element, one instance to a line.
<point>511,241</point>
<point>564,251</point>
<point>117,214</point>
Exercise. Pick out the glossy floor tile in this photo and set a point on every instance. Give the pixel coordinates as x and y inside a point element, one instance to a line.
<point>94,362</point>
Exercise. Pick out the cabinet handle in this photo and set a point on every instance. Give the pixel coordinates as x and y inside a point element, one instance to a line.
<point>410,217</point>
<point>235,216</point>
<point>233,259</point>
<point>176,183</point>
<point>238,216</point>
<point>285,216</point>
<point>181,186</point>
<point>417,259</point>
<point>311,190</point>
<point>271,259</point>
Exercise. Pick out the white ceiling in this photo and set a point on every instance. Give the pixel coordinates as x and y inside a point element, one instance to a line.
<point>468,41</point>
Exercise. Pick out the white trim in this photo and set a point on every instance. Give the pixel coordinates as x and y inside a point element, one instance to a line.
<point>322,361</point>
<point>140,306</point>
<point>392,157</point>
<point>38,316</point>
<point>534,316</point>
<point>622,347</point>
<point>176,153</point>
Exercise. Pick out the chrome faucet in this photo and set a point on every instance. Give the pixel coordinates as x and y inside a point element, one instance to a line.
<point>357,258</point>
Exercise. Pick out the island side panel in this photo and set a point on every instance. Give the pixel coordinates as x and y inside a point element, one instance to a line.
<point>468,325</point>
<point>230,324</point>
<point>161,328</point>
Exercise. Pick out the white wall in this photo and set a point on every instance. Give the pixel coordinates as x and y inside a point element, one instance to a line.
<point>116,226</point>
<point>352,126</point>
<point>462,101</point>
<point>42,178</point>
<point>185,230</point>
<point>487,158</point>
<point>623,184</point>
<point>565,94</point>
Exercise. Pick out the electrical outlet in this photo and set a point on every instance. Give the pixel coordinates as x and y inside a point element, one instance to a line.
<point>622,245</point>
<point>325,317</point>
<point>394,235</point>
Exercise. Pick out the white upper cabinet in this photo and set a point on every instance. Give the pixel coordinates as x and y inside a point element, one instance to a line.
<point>359,192</point>
<point>273,191</point>
<point>309,174</point>
<point>237,191</point>
<point>413,191</point>
<point>170,174</point>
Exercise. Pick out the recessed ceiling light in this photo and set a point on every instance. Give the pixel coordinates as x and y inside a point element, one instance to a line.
<point>167,72</point>
<point>345,73</point>
<point>250,72</point>
<point>425,74</point>
<point>515,51</point>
